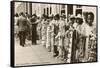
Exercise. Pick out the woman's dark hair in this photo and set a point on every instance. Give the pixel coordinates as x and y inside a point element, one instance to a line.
<point>57,16</point>
<point>26,13</point>
<point>38,17</point>
<point>16,15</point>
<point>92,15</point>
<point>85,14</point>
<point>34,15</point>
<point>80,20</point>
<point>22,14</point>
<point>43,16</point>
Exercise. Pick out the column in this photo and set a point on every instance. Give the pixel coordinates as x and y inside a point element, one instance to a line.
<point>33,8</point>
<point>74,10</point>
<point>29,11</point>
<point>66,10</point>
<point>53,9</point>
<point>26,7</point>
<point>59,9</point>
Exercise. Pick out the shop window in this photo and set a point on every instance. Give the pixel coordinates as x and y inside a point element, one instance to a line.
<point>62,11</point>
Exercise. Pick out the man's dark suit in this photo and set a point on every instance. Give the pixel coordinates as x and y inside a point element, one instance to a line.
<point>34,32</point>
<point>22,28</point>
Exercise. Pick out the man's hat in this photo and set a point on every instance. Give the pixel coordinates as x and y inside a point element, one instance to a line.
<point>72,17</point>
<point>34,15</point>
<point>79,16</point>
<point>57,16</point>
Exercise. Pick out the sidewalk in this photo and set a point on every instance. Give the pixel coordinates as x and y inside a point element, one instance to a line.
<point>33,55</point>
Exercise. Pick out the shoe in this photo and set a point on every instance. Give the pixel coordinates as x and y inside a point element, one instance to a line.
<point>55,55</point>
<point>22,45</point>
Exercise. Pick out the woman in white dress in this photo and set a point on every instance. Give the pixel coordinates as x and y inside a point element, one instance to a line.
<point>91,38</point>
<point>48,40</point>
<point>44,32</point>
<point>61,37</point>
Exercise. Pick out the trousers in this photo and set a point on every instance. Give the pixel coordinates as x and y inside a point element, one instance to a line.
<point>22,37</point>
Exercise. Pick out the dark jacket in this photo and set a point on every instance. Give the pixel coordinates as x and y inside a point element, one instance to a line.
<point>23,24</point>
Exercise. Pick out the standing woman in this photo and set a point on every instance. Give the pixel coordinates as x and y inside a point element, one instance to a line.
<point>61,37</point>
<point>52,33</point>
<point>90,34</point>
<point>70,40</point>
<point>56,30</point>
<point>80,39</point>
<point>44,31</point>
<point>48,40</point>
<point>39,29</point>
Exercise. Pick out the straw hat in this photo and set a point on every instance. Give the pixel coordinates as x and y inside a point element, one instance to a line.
<point>72,17</point>
<point>79,16</point>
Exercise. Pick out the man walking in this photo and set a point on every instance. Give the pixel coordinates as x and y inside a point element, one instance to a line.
<point>22,24</point>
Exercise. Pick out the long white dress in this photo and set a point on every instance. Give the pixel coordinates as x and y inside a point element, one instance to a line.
<point>48,40</point>
<point>91,41</point>
<point>68,42</point>
<point>44,32</point>
<point>61,35</point>
<point>52,35</point>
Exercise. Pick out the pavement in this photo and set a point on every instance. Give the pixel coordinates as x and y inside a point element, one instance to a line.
<point>33,55</point>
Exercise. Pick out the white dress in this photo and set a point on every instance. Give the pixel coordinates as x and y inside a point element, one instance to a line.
<point>90,33</point>
<point>48,40</point>
<point>44,32</point>
<point>52,35</point>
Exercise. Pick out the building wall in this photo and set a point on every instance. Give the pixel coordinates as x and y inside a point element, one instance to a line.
<point>38,9</point>
<point>20,8</point>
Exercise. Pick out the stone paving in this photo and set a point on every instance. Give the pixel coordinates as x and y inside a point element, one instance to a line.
<point>33,55</point>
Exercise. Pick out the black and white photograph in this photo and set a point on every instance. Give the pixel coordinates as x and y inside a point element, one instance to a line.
<point>53,33</point>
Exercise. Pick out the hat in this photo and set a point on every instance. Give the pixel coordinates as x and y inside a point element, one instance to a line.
<point>57,16</point>
<point>79,16</point>
<point>34,15</point>
<point>72,17</point>
<point>21,13</point>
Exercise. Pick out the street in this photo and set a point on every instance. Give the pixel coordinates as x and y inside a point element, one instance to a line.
<point>33,55</point>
